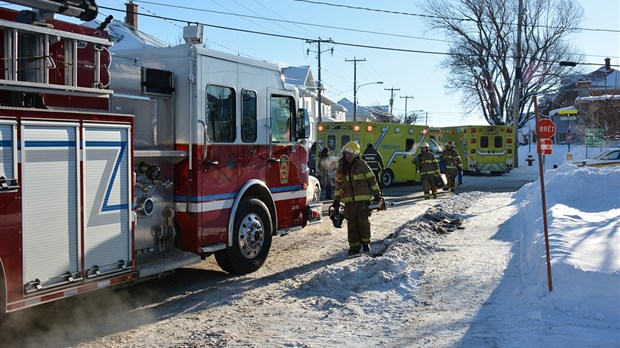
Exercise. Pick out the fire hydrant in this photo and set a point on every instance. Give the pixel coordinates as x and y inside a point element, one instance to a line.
<point>529,160</point>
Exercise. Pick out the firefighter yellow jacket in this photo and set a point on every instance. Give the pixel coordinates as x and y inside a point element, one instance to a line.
<point>427,163</point>
<point>355,181</point>
<point>451,158</point>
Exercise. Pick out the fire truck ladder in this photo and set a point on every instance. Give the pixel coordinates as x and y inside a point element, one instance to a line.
<point>27,61</point>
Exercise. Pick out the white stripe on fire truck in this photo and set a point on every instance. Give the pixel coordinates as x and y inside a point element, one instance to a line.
<point>201,207</point>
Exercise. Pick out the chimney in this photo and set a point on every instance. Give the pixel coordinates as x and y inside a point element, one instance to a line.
<point>131,14</point>
<point>607,64</point>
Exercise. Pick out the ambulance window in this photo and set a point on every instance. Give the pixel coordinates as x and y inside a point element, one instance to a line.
<point>345,139</point>
<point>248,116</point>
<point>499,142</point>
<point>220,114</point>
<point>484,142</point>
<point>409,144</point>
<point>281,111</point>
<point>331,142</point>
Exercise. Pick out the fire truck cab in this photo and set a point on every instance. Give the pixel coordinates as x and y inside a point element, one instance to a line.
<point>120,165</point>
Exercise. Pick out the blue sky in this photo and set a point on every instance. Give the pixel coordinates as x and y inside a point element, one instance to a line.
<point>416,75</point>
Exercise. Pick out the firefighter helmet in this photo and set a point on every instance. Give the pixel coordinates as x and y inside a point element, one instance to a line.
<point>425,145</point>
<point>351,147</point>
<point>450,143</point>
<point>336,215</point>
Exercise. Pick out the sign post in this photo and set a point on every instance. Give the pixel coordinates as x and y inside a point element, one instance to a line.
<point>545,129</point>
<point>569,115</point>
<point>594,137</point>
<point>546,146</point>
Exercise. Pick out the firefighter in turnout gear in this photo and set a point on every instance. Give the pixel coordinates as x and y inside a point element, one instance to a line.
<point>452,163</point>
<point>375,161</point>
<point>356,186</point>
<point>428,167</point>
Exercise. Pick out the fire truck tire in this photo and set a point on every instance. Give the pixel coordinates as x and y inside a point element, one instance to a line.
<point>252,235</point>
<point>387,178</point>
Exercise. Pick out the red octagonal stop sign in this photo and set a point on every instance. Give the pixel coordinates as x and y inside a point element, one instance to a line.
<point>546,128</point>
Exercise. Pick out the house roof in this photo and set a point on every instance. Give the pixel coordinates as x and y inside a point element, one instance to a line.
<point>125,37</point>
<point>364,110</point>
<point>299,76</point>
<point>603,78</point>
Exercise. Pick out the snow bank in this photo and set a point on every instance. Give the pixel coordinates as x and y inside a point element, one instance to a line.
<point>583,206</point>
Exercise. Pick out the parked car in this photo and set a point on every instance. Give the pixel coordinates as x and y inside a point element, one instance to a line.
<point>313,193</point>
<point>609,157</point>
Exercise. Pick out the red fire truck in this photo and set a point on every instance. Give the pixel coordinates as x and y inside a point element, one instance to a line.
<point>115,167</point>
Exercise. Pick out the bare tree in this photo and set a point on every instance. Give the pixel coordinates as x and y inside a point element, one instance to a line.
<point>483,48</point>
<point>411,118</point>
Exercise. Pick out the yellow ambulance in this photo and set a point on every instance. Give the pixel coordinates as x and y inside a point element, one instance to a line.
<point>482,148</point>
<point>398,144</point>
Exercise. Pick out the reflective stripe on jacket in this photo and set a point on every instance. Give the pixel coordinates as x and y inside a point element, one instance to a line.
<point>426,163</point>
<point>355,182</point>
<point>374,159</point>
<point>451,158</point>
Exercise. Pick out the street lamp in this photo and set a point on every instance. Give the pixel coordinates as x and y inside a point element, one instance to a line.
<point>355,96</point>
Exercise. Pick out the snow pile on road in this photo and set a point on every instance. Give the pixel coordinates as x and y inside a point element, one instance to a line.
<point>394,267</point>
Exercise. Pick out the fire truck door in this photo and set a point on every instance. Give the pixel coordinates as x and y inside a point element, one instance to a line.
<point>218,179</point>
<point>50,204</point>
<point>107,230</point>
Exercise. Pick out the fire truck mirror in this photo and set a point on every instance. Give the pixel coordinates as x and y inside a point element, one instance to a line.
<point>303,124</point>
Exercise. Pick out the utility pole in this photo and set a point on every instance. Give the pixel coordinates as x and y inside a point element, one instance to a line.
<point>406,97</point>
<point>355,60</point>
<point>517,93</point>
<point>392,97</point>
<point>320,86</point>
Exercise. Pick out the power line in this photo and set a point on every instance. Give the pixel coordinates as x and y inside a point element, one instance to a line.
<point>295,22</point>
<point>436,17</point>
<point>394,49</point>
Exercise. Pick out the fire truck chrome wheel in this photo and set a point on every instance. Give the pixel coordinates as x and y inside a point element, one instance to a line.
<point>251,235</point>
<point>251,239</point>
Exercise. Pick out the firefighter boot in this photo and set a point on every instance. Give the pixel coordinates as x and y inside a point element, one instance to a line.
<point>366,248</point>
